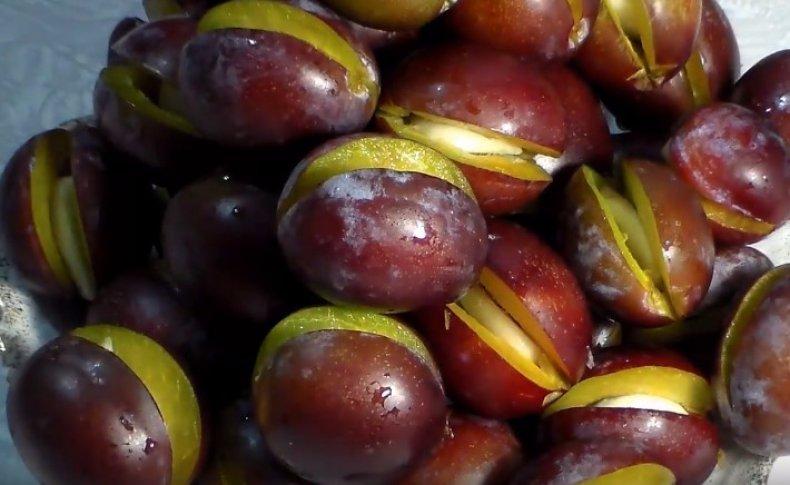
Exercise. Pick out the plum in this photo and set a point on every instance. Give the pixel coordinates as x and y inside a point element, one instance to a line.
<point>383,223</point>
<point>220,245</point>
<point>548,31</point>
<point>639,44</point>
<point>499,118</point>
<point>266,73</point>
<point>707,76</point>
<point>647,256</point>
<point>142,124</point>
<point>475,451</point>
<point>391,14</point>
<point>604,462</point>
<point>347,396</point>
<point>519,337</point>
<point>71,219</point>
<point>241,455</point>
<point>765,89</point>
<point>739,167</point>
<point>105,404</point>
<point>649,417</point>
<point>156,46</point>
<point>752,381</point>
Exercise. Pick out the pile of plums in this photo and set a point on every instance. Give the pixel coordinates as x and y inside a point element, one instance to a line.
<point>395,242</point>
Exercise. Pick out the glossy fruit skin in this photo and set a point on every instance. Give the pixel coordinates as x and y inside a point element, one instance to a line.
<point>141,300</point>
<point>592,253</point>
<point>474,373</point>
<point>575,461</point>
<point>242,453</point>
<point>588,139</point>
<point>686,444</point>
<point>123,27</point>
<point>169,153</point>
<point>349,407</point>
<point>530,28</point>
<point>606,63</point>
<point>249,88</point>
<point>384,42</point>
<point>376,40</point>
<point>455,81</point>
<point>547,287</point>
<point>686,241</point>
<point>759,385</point>
<point>734,270</point>
<point>475,451</point>
<point>764,89</point>
<point>390,14</point>
<point>156,45</point>
<point>21,242</point>
<point>622,358</point>
<point>394,241</point>
<point>661,107</point>
<point>115,210</point>
<point>220,245</point>
<point>730,156</point>
<point>500,194</point>
<point>218,359</point>
<point>77,414</point>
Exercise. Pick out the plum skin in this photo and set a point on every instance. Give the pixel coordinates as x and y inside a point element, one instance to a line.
<point>528,28</point>
<point>659,108</point>
<point>242,451</point>
<point>475,375</point>
<point>732,157</point>
<point>588,139</point>
<point>734,270</point>
<point>218,359</point>
<point>686,444</point>
<point>220,245</point>
<point>591,248</point>
<point>609,65</point>
<point>20,238</point>
<point>576,461</point>
<point>77,414</point>
<point>455,81</point>
<point>500,194</point>
<point>156,46</point>
<point>617,359</point>
<point>547,288</point>
<point>291,91</point>
<point>115,208</point>
<point>397,15</point>
<point>123,27</point>
<point>394,241</point>
<point>764,88</point>
<point>349,407</point>
<point>171,154</point>
<point>759,385</point>
<point>141,300</point>
<point>475,450</point>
